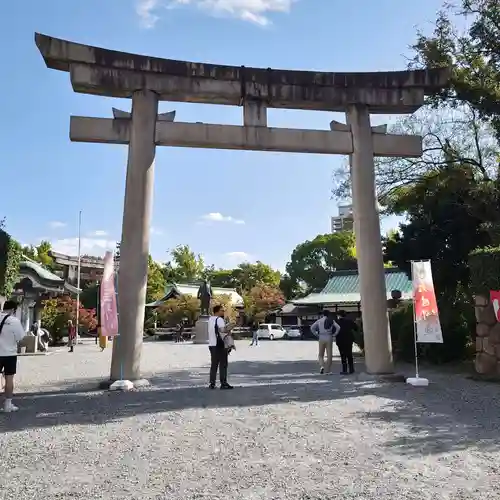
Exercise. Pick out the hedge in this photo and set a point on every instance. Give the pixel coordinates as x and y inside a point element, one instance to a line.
<point>10,259</point>
<point>484,266</point>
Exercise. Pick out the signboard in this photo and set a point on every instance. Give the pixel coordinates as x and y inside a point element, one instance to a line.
<point>427,324</point>
<point>495,301</point>
<point>109,311</point>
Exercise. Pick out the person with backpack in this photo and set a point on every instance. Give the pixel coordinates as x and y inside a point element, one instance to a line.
<point>345,341</point>
<point>11,333</point>
<point>220,346</point>
<point>325,329</point>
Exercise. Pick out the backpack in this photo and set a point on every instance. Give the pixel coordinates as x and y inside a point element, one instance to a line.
<point>3,322</point>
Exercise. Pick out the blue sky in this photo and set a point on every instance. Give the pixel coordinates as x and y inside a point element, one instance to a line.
<point>261,204</point>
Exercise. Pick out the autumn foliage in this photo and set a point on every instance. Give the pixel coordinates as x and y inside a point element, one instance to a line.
<point>261,300</point>
<point>58,311</point>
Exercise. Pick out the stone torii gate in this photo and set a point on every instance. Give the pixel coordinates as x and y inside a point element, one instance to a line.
<point>148,80</point>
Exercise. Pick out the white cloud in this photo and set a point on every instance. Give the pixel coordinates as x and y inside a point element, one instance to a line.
<point>218,217</point>
<point>235,258</point>
<point>55,224</point>
<point>99,233</point>
<point>254,11</point>
<point>146,10</point>
<point>89,246</point>
<point>156,231</point>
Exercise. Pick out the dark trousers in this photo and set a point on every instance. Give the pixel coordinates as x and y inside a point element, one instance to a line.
<point>345,350</point>
<point>218,355</point>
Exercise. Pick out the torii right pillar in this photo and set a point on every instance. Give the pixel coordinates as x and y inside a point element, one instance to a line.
<point>376,330</point>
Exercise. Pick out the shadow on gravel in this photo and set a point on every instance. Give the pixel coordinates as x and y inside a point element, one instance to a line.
<point>440,418</point>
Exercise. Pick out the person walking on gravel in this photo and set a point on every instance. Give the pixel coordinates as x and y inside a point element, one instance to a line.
<point>217,330</point>
<point>323,329</point>
<point>11,333</point>
<point>71,336</point>
<point>345,341</point>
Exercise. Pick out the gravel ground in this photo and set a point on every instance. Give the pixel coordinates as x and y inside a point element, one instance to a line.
<point>284,433</point>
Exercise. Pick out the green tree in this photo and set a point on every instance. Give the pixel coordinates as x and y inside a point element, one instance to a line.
<point>312,262</point>
<point>261,300</point>
<point>248,275</point>
<point>473,56</point>
<point>156,281</point>
<point>43,250</point>
<point>446,214</point>
<point>57,311</point>
<point>89,296</point>
<point>244,277</point>
<point>10,258</point>
<point>291,288</point>
<point>224,278</point>
<point>176,310</point>
<point>184,266</point>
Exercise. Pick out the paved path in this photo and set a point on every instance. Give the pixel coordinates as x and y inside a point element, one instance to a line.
<point>285,433</point>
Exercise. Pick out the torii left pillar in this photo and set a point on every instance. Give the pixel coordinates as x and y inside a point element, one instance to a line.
<point>134,247</point>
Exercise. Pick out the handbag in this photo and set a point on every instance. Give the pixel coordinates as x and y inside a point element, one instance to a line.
<point>227,342</point>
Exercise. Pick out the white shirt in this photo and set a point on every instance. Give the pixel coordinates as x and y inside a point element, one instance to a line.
<point>12,333</point>
<point>318,329</point>
<point>212,337</point>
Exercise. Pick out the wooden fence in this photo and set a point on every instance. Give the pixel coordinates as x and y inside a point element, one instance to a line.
<point>188,333</point>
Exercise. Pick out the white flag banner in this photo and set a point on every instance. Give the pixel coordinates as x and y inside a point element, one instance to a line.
<point>427,324</point>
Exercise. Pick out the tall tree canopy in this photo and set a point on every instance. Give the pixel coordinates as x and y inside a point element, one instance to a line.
<point>156,281</point>
<point>184,266</point>
<point>312,262</point>
<point>474,56</point>
<point>245,276</point>
<point>446,213</point>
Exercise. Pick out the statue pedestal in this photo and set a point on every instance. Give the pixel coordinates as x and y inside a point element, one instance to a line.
<point>201,330</point>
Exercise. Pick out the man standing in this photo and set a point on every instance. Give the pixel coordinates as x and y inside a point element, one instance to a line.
<point>217,330</point>
<point>324,330</point>
<point>11,333</point>
<point>345,340</point>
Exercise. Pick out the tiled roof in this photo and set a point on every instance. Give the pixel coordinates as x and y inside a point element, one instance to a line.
<point>43,278</point>
<point>188,289</point>
<point>41,272</point>
<point>343,288</point>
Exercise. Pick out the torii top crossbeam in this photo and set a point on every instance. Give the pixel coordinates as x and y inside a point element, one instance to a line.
<point>112,73</point>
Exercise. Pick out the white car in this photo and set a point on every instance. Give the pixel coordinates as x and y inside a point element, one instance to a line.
<point>271,331</point>
<point>293,333</point>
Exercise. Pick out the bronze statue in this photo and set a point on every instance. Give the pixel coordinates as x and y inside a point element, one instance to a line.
<point>205,295</point>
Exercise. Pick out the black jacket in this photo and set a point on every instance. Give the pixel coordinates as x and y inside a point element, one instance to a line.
<point>347,330</point>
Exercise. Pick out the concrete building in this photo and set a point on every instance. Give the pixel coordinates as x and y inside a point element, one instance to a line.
<point>91,268</point>
<point>344,221</point>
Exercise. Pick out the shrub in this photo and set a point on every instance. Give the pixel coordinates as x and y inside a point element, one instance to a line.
<point>175,310</point>
<point>58,311</point>
<point>484,266</point>
<point>457,322</point>
<point>10,259</point>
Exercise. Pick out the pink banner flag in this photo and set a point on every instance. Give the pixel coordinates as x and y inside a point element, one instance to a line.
<point>109,312</point>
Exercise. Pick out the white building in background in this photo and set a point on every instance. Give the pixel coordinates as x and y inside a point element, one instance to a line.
<point>344,221</point>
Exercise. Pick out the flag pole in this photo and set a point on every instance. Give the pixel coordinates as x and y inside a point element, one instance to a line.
<point>78,277</point>
<point>414,324</point>
<point>416,381</point>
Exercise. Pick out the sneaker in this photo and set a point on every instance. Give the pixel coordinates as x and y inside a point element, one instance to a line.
<point>211,386</point>
<point>226,387</point>
<point>9,408</point>
<point>322,370</point>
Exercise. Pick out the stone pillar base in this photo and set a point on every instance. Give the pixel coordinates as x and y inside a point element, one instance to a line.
<point>137,384</point>
<point>201,330</point>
